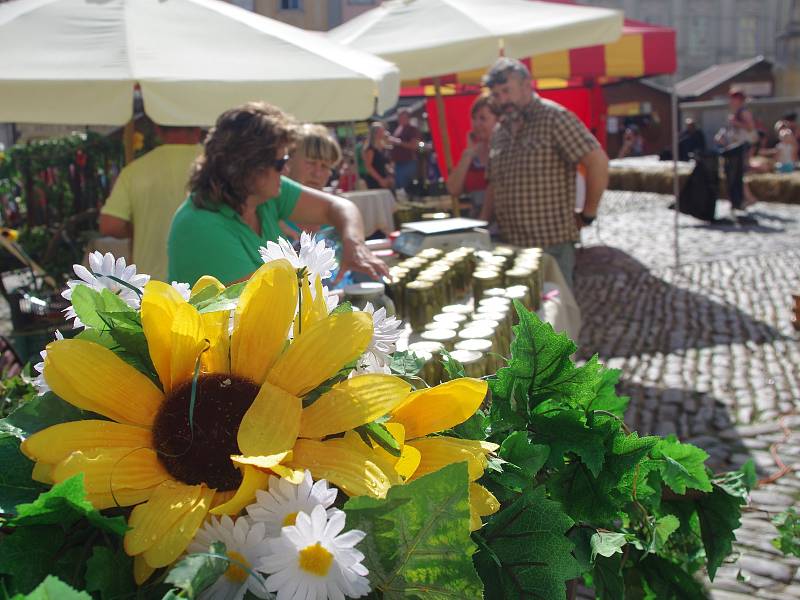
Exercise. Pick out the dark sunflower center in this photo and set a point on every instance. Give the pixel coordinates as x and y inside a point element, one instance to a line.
<point>201,452</point>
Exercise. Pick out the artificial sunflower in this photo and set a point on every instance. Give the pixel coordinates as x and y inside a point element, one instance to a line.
<point>179,460</point>
<point>427,412</point>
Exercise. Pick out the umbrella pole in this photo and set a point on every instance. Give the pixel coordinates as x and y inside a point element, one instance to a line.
<point>676,185</point>
<point>448,157</point>
<point>127,140</point>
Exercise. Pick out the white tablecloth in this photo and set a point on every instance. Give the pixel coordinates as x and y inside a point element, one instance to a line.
<point>377,209</point>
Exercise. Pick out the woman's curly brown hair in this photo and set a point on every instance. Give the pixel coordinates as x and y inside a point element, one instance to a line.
<point>243,141</point>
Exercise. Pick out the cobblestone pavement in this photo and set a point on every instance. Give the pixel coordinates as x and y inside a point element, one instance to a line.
<point>707,351</point>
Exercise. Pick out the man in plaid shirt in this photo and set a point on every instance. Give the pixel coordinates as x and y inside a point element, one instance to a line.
<point>532,167</point>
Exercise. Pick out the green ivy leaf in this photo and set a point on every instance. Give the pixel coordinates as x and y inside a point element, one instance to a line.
<point>406,364</point>
<point>607,543</point>
<point>719,513</point>
<point>664,527</point>
<point>668,581</point>
<point>525,552</point>
<point>197,572</point>
<point>473,428</point>
<point>607,578</point>
<point>89,303</point>
<point>64,504</point>
<point>606,394</point>
<point>452,367</point>
<point>788,525</point>
<point>601,499</point>
<point>203,296</point>
<point>344,307</point>
<point>16,485</point>
<point>52,588</point>
<point>27,555</point>
<point>518,449</point>
<point>566,431</point>
<point>225,300</point>
<point>40,413</point>
<point>110,573</point>
<point>418,541</point>
<point>378,433</point>
<point>683,465</point>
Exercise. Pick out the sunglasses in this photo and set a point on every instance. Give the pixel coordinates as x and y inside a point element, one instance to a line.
<point>280,162</point>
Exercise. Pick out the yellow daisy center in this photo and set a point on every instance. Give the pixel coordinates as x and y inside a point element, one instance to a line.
<point>289,519</point>
<point>236,571</point>
<point>316,560</point>
<point>200,451</point>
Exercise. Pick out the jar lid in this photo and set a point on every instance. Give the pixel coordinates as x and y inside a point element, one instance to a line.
<point>425,347</point>
<point>495,303</point>
<point>368,288</point>
<point>454,318</point>
<point>469,333</point>
<point>461,309</point>
<point>475,345</point>
<point>497,317</point>
<point>494,292</point>
<point>493,323</point>
<point>438,335</point>
<point>466,357</point>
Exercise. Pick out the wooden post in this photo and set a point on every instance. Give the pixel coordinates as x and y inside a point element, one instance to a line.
<point>448,156</point>
<point>127,140</point>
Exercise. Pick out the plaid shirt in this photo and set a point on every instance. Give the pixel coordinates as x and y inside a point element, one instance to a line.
<point>532,173</point>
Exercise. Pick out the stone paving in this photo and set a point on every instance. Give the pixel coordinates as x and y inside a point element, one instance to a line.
<point>707,351</point>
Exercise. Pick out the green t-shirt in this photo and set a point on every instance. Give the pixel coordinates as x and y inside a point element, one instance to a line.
<point>219,243</point>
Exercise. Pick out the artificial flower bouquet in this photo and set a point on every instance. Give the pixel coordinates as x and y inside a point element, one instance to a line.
<point>259,441</point>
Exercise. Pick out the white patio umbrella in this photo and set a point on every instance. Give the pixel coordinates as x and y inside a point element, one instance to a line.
<point>433,38</point>
<point>77,62</point>
<point>429,38</point>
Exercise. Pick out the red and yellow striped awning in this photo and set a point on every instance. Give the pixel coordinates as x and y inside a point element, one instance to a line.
<point>642,51</point>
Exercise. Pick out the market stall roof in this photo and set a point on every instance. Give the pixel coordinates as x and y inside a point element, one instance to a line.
<point>644,50</point>
<point>430,38</point>
<point>77,62</point>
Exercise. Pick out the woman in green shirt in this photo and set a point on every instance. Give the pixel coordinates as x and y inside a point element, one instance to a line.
<point>238,194</point>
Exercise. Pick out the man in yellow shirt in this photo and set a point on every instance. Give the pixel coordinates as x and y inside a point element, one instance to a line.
<point>146,195</point>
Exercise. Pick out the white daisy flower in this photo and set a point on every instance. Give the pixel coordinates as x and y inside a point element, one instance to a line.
<point>39,382</point>
<point>102,267</point>
<point>314,255</point>
<point>311,561</point>
<point>246,545</point>
<point>331,298</point>
<point>279,506</point>
<point>385,333</point>
<point>184,289</point>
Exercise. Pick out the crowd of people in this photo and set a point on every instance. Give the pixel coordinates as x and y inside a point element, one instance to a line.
<point>258,176</point>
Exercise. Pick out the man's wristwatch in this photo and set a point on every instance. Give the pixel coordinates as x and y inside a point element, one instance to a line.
<point>587,219</point>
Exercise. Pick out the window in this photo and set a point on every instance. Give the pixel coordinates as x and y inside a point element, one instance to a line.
<point>362,2</point>
<point>747,36</point>
<point>245,4</point>
<point>699,35</point>
<point>290,5</point>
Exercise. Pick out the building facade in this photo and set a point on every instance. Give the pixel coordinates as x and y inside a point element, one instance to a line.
<point>713,31</point>
<point>317,15</point>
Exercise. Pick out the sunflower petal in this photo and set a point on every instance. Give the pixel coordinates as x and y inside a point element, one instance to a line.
<point>141,570</point>
<point>382,459</point>
<point>262,319</point>
<point>43,473</point>
<point>262,462</point>
<point>271,424</point>
<point>441,407</point>
<point>293,476</point>
<point>186,343</point>
<point>107,469</point>
<point>204,282</point>
<point>351,403</point>
<point>482,501</point>
<point>344,467</point>
<point>215,326</point>
<point>174,541</point>
<point>54,444</point>
<point>160,302</point>
<point>150,521</point>
<point>409,461</point>
<point>119,497</point>
<point>438,452</point>
<point>94,378</point>
<point>252,479</point>
<point>321,351</point>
